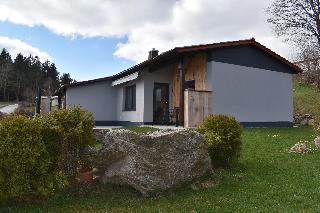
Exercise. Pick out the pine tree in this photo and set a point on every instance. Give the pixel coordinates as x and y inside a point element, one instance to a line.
<point>5,68</point>
<point>19,75</point>
<point>65,79</point>
<point>20,79</point>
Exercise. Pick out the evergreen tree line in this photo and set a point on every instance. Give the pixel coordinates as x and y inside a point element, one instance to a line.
<point>21,77</point>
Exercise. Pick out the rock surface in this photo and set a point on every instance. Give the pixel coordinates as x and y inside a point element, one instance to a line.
<point>317,142</point>
<point>300,147</point>
<point>151,162</point>
<point>303,119</point>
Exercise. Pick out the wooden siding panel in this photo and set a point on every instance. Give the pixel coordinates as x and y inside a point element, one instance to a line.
<point>197,107</point>
<point>195,69</point>
<point>175,85</point>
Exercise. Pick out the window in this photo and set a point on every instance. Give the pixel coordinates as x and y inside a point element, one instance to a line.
<point>190,84</point>
<point>130,98</point>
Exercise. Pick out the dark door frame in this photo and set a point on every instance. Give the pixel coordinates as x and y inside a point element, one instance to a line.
<point>154,96</point>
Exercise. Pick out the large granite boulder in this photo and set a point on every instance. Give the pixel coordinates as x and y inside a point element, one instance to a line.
<point>151,162</point>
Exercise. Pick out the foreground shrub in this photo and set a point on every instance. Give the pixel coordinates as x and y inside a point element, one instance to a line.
<point>223,134</point>
<point>26,169</point>
<point>39,156</point>
<point>76,128</point>
<point>2,115</point>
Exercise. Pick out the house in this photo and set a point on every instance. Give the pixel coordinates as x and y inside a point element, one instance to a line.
<point>182,86</point>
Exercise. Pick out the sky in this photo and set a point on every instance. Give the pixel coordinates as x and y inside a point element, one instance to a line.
<point>98,38</point>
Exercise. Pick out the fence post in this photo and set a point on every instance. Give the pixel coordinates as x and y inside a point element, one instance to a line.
<point>38,101</point>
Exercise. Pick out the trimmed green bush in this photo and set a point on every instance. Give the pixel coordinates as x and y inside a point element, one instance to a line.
<point>40,156</point>
<point>76,128</point>
<point>26,169</point>
<point>223,134</point>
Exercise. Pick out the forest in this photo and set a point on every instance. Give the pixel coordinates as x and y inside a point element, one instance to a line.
<point>21,77</point>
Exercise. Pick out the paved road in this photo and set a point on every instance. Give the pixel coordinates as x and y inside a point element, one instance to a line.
<point>9,109</point>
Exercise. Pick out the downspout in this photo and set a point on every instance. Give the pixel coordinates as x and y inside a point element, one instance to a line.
<point>181,91</point>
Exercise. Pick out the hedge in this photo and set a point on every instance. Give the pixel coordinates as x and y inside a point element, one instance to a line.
<point>39,156</point>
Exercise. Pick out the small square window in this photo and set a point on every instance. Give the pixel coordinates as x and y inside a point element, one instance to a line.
<point>190,84</point>
<point>130,98</point>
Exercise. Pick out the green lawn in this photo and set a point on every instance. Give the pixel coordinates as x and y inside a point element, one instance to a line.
<point>267,179</point>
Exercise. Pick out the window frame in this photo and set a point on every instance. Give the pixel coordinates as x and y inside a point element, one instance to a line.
<point>129,102</point>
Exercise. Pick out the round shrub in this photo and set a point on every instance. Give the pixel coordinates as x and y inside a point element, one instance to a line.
<point>223,134</point>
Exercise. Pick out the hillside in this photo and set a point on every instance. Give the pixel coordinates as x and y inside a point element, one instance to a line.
<point>306,99</point>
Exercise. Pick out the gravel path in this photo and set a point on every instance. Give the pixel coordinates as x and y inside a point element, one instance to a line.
<point>9,109</point>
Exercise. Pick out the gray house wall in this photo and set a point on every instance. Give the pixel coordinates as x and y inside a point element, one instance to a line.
<point>163,75</point>
<point>248,56</point>
<point>99,98</point>
<point>250,85</point>
<point>254,96</point>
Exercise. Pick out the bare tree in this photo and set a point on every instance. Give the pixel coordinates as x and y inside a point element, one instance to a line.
<point>309,61</point>
<point>297,21</point>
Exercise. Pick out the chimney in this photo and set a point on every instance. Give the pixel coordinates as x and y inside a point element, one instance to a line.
<point>153,53</point>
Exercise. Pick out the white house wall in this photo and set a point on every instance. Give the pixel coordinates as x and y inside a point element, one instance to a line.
<point>99,98</point>
<point>131,116</point>
<point>250,94</point>
<point>144,95</point>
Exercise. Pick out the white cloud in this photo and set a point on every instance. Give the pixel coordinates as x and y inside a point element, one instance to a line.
<point>15,46</point>
<point>148,23</point>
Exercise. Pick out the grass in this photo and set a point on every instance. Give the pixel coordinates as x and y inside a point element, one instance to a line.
<point>306,99</point>
<point>267,179</point>
<point>141,129</point>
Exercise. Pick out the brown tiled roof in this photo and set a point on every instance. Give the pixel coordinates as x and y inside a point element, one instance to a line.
<point>178,51</point>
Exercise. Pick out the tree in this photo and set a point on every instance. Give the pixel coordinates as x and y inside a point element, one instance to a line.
<point>18,77</point>
<point>21,78</point>
<point>65,79</point>
<point>309,61</point>
<point>297,21</point>
<point>50,78</point>
<point>5,68</point>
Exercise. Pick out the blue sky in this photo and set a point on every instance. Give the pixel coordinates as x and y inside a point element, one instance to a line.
<point>98,38</point>
<point>83,58</point>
